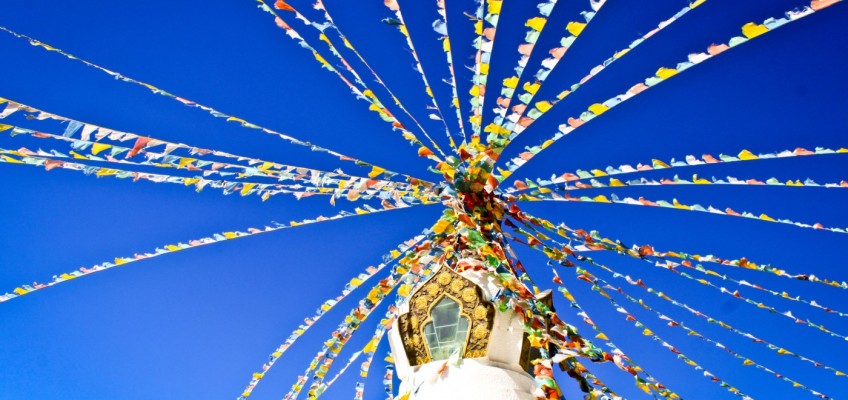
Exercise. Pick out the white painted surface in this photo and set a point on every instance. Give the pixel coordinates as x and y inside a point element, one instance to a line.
<point>472,379</point>
<point>496,376</point>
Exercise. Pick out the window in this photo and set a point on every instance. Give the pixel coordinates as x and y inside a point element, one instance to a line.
<point>447,330</point>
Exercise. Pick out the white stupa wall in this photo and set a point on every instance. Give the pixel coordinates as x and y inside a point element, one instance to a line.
<point>498,375</point>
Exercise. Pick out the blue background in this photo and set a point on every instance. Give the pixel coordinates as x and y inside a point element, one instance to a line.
<point>196,324</point>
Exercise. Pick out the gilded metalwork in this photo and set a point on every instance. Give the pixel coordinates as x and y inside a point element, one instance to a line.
<point>481,312</point>
<point>421,302</point>
<point>456,286</point>
<point>480,332</point>
<point>473,306</point>
<point>528,353</point>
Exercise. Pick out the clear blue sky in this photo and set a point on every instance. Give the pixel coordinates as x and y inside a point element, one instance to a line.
<point>196,324</point>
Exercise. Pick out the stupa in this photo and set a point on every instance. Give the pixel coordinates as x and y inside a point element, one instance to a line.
<point>450,341</point>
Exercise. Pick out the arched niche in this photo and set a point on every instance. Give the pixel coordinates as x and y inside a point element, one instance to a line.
<point>433,305</point>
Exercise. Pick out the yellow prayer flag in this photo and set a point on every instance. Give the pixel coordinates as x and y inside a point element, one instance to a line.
<point>752,30</point>
<point>575,28</point>
<point>536,23</point>
<point>544,106</point>
<point>747,155</point>
<point>245,190</point>
<point>98,147</point>
<point>531,88</point>
<point>666,73</point>
<point>495,6</point>
<point>601,199</point>
<point>598,108</point>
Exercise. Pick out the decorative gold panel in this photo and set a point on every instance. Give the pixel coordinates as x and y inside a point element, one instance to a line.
<point>473,306</point>
<point>528,353</point>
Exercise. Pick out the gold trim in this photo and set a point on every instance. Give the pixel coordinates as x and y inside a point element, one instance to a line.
<point>474,307</point>
<point>528,353</point>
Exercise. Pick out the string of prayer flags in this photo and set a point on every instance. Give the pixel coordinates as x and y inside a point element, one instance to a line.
<point>319,5</point>
<point>621,360</point>
<point>651,384</point>
<point>526,115</point>
<point>211,111</point>
<point>690,332</point>
<point>361,92</point>
<point>391,198</point>
<point>671,266</point>
<point>485,27</point>
<point>777,349</point>
<point>339,338</point>
<point>441,27</point>
<point>388,378</point>
<point>309,181</point>
<point>695,180</point>
<point>660,76</point>
<point>572,31</point>
<point>404,250</point>
<point>404,30</point>
<point>735,294</point>
<point>676,205</point>
<point>469,237</point>
<point>325,358</point>
<point>688,161</point>
<point>780,294</point>
<point>371,349</point>
<point>583,275</point>
<point>742,263</point>
<point>535,27</point>
<point>641,251</point>
<point>596,242</point>
<point>156,151</point>
<point>172,248</point>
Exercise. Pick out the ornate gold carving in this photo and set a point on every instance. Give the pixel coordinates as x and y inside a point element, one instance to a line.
<point>456,286</point>
<point>476,354</point>
<point>480,312</point>
<point>421,302</point>
<point>528,353</point>
<point>480,331</point>
<point>469,294</point>
<point>473,306</point>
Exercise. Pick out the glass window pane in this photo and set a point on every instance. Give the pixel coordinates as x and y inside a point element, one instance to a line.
<point>447,329</point>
